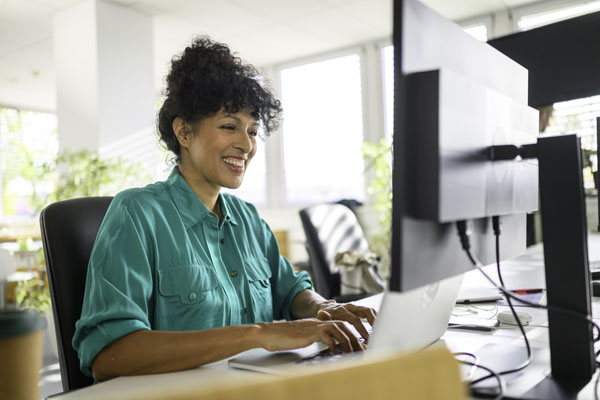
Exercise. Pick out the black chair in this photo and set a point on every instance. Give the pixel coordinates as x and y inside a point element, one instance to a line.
<point>330,229</point>
<point>69,229</point>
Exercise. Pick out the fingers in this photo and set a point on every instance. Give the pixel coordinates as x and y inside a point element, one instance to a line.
<point>353,314</point>
<point>364,312</point>
<point>324,315</point>
<point>348,340</point>
<point>358,325</point>
<point>325,338</point>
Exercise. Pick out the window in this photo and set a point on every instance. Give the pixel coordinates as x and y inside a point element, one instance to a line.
<point>548,17</point>
<point>28,140</point>
<point>323,131</point>
<point>578,116</point>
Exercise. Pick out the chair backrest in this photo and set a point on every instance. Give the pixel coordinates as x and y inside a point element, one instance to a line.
<point>69,229</point>
<point>330,229</point>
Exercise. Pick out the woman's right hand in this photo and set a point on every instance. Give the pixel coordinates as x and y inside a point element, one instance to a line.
<point>296,334</point>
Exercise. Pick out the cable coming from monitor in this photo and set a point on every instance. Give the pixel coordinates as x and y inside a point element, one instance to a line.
<point>463,233</point>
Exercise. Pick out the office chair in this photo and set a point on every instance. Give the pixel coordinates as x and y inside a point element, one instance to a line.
<point>330,229</point>
<point>69,229</point>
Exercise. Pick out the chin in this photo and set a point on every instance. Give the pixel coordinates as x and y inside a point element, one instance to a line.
<point>235,185</point>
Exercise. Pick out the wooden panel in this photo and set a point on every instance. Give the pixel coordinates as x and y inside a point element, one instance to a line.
<point>283,242</point>
<point>430,374</point>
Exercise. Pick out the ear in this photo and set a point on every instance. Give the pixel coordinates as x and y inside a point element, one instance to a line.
<point>183,132</point>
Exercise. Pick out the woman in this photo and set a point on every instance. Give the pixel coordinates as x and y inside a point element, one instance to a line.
<point>182,275</point>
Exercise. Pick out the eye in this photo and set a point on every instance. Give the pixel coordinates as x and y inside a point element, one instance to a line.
<point>253,133</point>
<point>228,127</point>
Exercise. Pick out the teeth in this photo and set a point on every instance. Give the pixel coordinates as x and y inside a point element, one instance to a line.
<point>233,161</point>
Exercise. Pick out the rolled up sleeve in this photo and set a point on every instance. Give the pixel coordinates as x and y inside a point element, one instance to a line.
<point>118,288</point>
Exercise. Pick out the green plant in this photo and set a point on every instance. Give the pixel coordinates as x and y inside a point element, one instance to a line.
<point>379,158</point>
<point>33,294</point>
<point>84,173</point>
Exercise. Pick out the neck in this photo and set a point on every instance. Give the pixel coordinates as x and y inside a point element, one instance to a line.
<point>208,194</point>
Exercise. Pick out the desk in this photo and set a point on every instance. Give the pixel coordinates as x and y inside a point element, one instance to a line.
<point>526,272</point>
<point>523,272</point>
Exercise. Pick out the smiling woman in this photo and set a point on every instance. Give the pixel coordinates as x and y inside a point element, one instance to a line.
<point>183,275</point>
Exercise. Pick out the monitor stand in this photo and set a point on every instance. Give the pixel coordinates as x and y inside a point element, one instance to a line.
<point>564,230</point>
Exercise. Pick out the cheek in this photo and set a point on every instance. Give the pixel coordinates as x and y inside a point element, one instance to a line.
<point>252,153</point>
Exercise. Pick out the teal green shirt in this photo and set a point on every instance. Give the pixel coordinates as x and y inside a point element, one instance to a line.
<point>161,261</point>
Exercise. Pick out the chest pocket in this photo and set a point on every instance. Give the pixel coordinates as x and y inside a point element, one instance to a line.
<point>190,298</point>
<point>259,275</point>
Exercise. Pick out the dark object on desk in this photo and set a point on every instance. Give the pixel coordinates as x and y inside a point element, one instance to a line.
<point>564,230</point>
<point>69,229</point>
<point>473,295</point>
<point>596,288</point>
<point>547,53</point>
<point>331,229</point>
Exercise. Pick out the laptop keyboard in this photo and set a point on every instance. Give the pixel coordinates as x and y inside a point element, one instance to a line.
<point>327,355</point>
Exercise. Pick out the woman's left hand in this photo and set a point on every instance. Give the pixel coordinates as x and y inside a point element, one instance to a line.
<point>348,312</point>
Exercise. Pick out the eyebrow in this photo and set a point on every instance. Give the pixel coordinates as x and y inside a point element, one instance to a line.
<point>238,119</point>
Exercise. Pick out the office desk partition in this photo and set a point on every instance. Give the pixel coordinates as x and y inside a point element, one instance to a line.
<point>430,374</point>
<point>524,272</point>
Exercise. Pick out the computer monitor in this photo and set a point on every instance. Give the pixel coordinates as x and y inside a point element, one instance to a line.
<point>561,58</point>
<point>456,101</point>
<point>454,97</point>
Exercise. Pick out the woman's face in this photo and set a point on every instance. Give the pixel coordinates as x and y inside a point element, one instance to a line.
<point>220,149</point>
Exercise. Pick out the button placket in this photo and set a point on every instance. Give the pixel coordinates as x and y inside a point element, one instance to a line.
<point>212,233</point>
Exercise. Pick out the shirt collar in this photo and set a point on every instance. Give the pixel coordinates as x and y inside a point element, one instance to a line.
<point>191,208</point>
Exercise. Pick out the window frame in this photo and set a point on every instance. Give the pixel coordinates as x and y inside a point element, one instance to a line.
<point>371,80</point>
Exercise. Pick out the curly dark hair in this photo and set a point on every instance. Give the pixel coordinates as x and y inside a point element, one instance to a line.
<point>207,77</point>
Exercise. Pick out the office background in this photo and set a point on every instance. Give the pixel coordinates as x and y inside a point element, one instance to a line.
<point>78,74</point>
<point>89,74</point>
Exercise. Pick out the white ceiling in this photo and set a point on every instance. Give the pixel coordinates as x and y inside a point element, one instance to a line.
<point>264,32</point>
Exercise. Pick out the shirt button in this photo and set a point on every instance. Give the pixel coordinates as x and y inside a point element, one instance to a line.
<point>192,296</point>
<point>234,273</point>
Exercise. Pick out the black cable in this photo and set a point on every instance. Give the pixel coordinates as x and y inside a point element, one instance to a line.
<point>464,238</point>
<point>473,356</point>
<point>524,364</point>
<point>496,228</point>
<point>501,384</point>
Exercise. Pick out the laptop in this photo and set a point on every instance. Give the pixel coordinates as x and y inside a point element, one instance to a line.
<point>406,322</point>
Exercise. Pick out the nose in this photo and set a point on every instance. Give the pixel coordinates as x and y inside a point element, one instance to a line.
<point>244,143</point>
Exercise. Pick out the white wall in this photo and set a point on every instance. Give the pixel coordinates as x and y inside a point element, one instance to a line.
<point>104,74</point>
<point>75,50</point>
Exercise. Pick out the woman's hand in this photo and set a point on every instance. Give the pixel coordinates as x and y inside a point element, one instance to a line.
<point>296,334</point>
<point>308,304</point>
<point>351,313</point>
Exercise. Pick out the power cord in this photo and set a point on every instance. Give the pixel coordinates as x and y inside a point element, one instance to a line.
<point>464,233</point>
<point>524,364</point>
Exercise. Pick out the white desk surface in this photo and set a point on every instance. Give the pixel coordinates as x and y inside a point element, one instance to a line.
<point>524,272</point>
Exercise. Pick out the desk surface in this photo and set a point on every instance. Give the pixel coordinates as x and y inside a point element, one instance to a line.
<point>523,272</point>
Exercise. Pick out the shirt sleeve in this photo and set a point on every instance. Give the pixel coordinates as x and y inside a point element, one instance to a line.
<point>118,286</point>
<point>285,282</point>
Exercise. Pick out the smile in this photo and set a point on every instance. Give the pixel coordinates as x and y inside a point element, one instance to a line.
<point>234,161</point>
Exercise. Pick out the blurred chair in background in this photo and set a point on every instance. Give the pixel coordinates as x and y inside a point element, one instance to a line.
<point>331,229</point>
